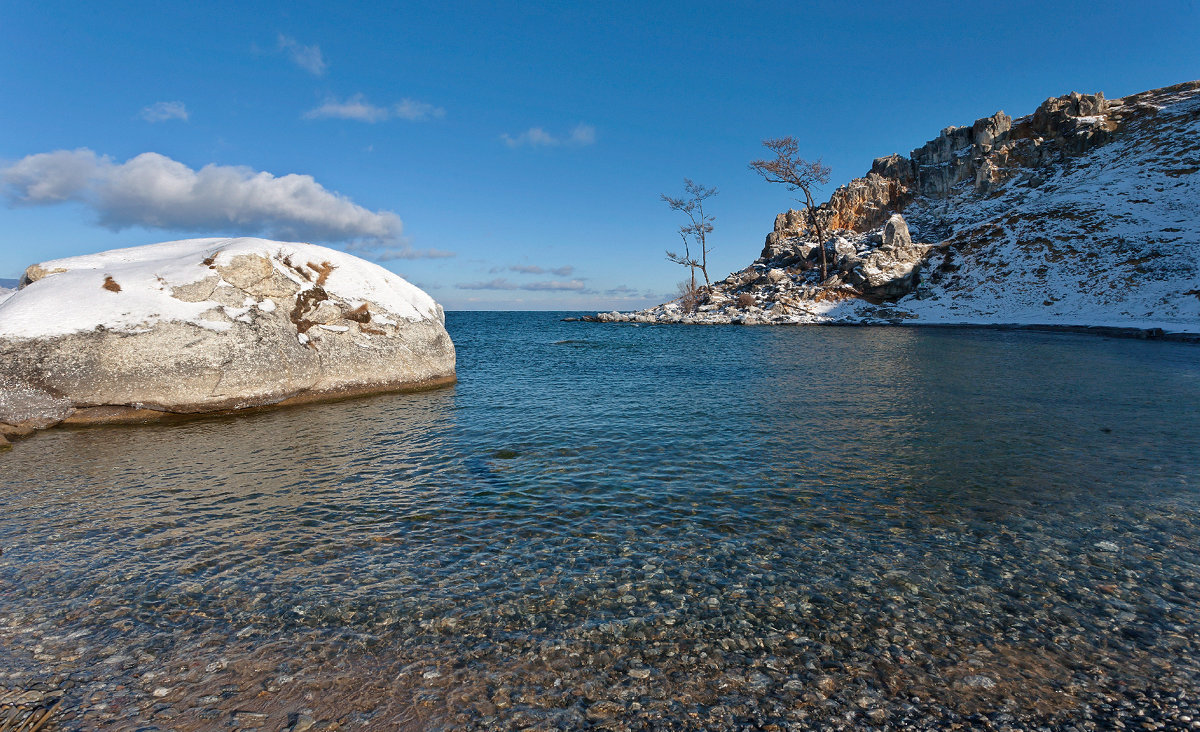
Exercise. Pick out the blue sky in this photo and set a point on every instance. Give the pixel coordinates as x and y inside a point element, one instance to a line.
<point>507,155</point>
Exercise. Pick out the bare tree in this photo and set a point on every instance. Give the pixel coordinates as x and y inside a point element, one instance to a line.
<point>686,258</point>
<point>692,204</point>
<point>797,174</point>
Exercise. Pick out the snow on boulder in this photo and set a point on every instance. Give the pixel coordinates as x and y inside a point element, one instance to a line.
<point>205,325</point>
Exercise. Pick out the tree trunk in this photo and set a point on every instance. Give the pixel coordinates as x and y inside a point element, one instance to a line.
<point>812,215</point>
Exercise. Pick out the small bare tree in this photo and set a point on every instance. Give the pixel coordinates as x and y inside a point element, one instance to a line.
<point>686,259</point>
<point>689,296</point>
<point>797,174</point>
<point>692,204</point>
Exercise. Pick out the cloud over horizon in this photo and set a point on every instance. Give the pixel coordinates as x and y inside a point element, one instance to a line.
<point>154,191</point>
<point>625,292</point>
<point>501,283</point>
<point>405,252</point>
<point>308,58</point>
<point>358,108</point>
<point>581,135</point>
<point>564,271</point>
<point>163,111</point>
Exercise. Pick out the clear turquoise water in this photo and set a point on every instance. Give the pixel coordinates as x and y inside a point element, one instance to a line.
<point>634,526</point>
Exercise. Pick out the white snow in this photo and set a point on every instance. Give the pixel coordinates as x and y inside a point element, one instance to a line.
<point>73,299</point>
<point>1106,238</point>
<point>5,293</point>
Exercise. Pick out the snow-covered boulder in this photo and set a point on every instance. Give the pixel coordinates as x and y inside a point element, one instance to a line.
<point>205,325</point>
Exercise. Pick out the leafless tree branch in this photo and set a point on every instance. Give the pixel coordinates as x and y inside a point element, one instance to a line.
<point>798,174</point>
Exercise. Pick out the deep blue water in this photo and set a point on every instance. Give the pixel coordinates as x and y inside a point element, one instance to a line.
<point>633,526</point>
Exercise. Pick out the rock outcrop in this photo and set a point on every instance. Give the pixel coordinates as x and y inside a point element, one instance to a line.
<point>209,325</point>
<point>983,155</point>
<point>1081,213</point>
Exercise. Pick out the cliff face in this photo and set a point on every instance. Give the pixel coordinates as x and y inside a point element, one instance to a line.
<point>1084,212</point>
<point>977,159</point>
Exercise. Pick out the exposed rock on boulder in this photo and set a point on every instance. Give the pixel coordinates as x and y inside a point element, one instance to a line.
<point>775,276</point>
<point>895,233</point>
<point>893,270</point>
<point>208,325</point>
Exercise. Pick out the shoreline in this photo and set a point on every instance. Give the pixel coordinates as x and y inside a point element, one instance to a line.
<point>1108,331</point>
<point>120,415</point>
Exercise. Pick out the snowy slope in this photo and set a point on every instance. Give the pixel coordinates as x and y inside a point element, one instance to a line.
<point>1084,213</point>
<point>1109,238</point>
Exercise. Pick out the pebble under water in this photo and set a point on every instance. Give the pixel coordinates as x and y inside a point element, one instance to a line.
<point>620,527</point>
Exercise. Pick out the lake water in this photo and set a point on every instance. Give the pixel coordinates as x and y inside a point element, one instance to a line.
<point>632,527</point>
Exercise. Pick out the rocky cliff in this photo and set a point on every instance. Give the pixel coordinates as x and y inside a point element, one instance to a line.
<point>1084,212</point>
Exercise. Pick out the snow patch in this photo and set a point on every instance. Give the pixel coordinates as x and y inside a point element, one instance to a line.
<point>74,299</point>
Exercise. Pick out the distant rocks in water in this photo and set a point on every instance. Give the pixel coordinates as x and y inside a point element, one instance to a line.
<point>1081,214</point>
<point>210,325</point>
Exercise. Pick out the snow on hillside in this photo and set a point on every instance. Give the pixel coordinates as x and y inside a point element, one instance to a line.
<point>1109,238</point>
<point>1083,213</point>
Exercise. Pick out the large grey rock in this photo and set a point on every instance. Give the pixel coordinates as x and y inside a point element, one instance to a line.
<point>892,270</point>
<point>225,325</point>
<point>895,233</point>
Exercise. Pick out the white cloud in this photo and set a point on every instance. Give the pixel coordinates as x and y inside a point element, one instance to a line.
<point>416,111</point>
<point>358,108</point>
<point>564,271</point>
<point>387,255</point>
<point>155,191</point>
<point>574,285</point>
<point>308,58</point>
<point>503,284</point>
<point>163,111</point>
<point>496,284</point>
<point>581,135</point>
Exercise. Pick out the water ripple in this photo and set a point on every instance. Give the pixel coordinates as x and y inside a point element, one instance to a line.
<point>707,527</point>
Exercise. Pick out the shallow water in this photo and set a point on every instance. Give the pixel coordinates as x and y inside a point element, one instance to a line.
<point>632,527</point>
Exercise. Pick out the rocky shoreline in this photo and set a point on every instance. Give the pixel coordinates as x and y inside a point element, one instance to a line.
<point>1078,216</point>
<point>1105,331</point>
